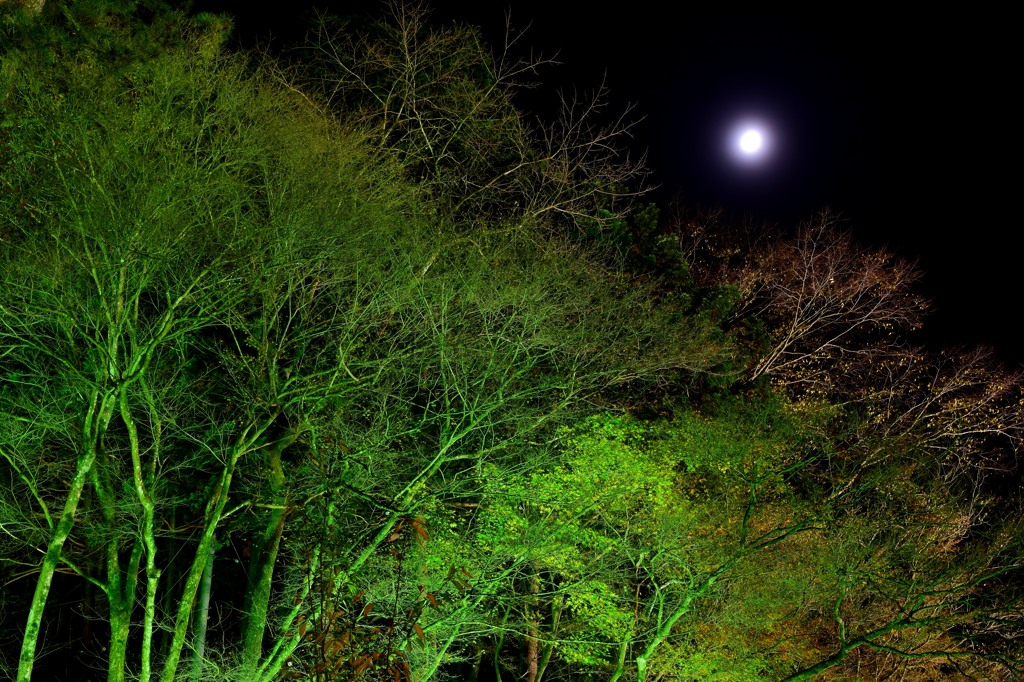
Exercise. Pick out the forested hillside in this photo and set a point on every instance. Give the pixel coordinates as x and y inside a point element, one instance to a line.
<point>340,365</point>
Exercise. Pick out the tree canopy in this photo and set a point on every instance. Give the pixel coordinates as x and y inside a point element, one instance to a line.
<point>347,368</point>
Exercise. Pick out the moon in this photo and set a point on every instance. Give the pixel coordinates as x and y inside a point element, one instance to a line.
<point>751,141</point>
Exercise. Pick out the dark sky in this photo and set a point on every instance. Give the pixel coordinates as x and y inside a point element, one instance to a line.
<point>901,122</point>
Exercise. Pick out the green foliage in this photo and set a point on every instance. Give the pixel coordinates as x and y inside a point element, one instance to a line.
<point>379,368</point>
<point>718,663</point>
<point>740,436</point>
<point>594,603</point>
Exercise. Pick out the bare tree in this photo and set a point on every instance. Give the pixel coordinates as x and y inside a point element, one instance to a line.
<point>438,98</point>
<point>823,300</point>
<point>947,398</point>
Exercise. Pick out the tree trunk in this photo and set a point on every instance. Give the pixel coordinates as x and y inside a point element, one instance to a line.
<point>120,621</point>
<point>214,513</point>
<point>203,614</point>
<point>47,569</point>
<point>97,417</point>
<point>556,614</point>
<point>620,666</point>
<point>264,556</point>
<point>532,629</point>
<point>121,597</point>
<point>143,484</point>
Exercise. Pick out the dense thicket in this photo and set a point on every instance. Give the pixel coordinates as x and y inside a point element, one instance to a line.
<point>351,371</point>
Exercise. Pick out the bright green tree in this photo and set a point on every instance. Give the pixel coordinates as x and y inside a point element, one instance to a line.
<point>224,313</point>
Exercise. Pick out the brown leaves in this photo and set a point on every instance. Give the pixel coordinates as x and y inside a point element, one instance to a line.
<point>824,297</point>
<point>418,526</point>
<point>955,402</point>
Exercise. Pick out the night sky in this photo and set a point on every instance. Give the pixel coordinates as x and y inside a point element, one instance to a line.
<point>901,123</point>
